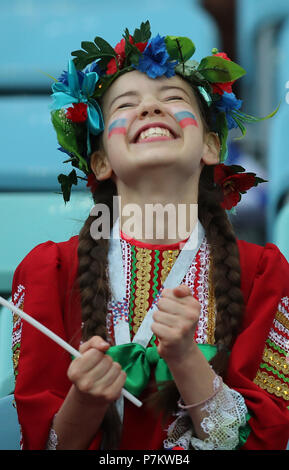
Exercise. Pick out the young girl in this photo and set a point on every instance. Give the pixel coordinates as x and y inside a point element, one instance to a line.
<point>195,326</point>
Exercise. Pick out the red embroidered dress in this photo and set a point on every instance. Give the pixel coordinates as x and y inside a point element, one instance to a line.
<point>44,285</point>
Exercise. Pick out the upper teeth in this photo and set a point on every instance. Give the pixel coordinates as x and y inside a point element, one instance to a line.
<point>154,131</point>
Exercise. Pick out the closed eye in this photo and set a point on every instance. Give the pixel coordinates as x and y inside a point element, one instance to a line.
<point>171,98</point>
<point>125,105</point>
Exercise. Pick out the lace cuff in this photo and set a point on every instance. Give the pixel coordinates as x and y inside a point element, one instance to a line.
<point>225,414</point>
<point>52,441</point>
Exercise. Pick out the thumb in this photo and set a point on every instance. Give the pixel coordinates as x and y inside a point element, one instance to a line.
<point>182,291</point>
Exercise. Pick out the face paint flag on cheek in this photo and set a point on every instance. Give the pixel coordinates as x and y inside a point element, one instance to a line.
<point>117,127</point>
<point>186,118</point>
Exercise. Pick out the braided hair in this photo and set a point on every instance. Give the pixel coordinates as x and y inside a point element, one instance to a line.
<point>226,276</point>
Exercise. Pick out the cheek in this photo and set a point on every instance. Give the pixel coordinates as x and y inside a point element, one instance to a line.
<point>117,127</point>
<point>186,118</point>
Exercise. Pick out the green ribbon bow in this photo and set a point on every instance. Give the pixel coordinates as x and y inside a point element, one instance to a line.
<point>137,361</point>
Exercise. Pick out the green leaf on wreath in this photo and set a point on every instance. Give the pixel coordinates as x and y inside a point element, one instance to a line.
<point>132,53</point>
<point>142,34</point>
<point>218,70</point>
<point>179,48</point>
<point>66,182</point>
<point>259,180</point>
<point>70,136</point>
<point>99,49</point>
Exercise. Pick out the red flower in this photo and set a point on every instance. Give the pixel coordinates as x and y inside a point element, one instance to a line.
<point>92,182</point>
<point>234,182</point>
<point>78,113</point>
<point>120,50</point>
<point>219,88</point>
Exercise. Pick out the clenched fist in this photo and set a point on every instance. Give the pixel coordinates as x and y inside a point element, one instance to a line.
<point>175,322</point>
<point>95,375</point>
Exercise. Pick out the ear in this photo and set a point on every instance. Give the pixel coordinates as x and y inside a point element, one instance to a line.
<point>100,166</point>
<point>212,147</point>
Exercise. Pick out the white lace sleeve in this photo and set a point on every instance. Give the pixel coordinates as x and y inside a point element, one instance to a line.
<point>52,441</point>
<point>226,413</point>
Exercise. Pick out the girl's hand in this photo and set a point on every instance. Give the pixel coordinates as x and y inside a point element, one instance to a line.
<point>95,375</point>
<point>175,322</point>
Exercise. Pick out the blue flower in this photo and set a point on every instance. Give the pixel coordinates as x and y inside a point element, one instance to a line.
<point>78,89</point>
<point>155,60</point>
<point>64,77</point>
<point>229,103</point>
<point>94,67</point>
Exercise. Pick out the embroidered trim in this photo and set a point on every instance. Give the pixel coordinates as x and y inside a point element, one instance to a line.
<point>284,306</point>
<point>169,258</point>
<point>18,301</point>
<point>274,371</point>
<point>274,355</point>
<point>211,307</point>
<point>274,346</point>
<point>156,270</point>
<point>272,385</point>
<point>276,360</point>
<point>132,285</point>
<point>198,279</point>
<point>281,318</point>
<point>202,291</point>
<point>279,335</point>
<point>143,265</point>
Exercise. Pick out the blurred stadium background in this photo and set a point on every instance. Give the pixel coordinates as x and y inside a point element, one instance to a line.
<point>37,38</point>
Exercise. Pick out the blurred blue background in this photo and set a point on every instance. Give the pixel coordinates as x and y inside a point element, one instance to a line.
<point>36,40</point>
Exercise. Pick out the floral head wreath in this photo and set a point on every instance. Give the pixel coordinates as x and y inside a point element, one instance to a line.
<point>76,114</point>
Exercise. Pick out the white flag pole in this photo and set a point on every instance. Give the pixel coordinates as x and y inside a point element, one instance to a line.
<point>57,340</point>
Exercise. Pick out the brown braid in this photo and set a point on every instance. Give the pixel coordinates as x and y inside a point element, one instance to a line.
<point>95,293</point>
<point>226,268</point>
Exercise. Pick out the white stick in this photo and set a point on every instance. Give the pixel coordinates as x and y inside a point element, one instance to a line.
<point>57,340</point>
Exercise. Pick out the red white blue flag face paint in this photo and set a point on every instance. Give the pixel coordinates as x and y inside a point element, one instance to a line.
<point>117,127</point>
<point>186,118</point>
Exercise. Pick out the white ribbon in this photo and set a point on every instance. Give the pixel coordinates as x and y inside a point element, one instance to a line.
<point>174,278</point>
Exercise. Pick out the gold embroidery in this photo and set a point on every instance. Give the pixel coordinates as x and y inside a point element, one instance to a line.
<point>169,257</point>
<point>280,317</point>
<point>276,360</point>
<point>211,306</point>
<point>272,385</point>
<point>143,266</point>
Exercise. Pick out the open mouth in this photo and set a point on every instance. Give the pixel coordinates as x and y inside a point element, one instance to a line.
<point>152,133</point>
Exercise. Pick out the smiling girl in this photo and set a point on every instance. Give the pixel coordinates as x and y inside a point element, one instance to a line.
<point>196,328</point>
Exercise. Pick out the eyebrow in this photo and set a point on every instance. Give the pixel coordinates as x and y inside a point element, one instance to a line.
<point>128,93</point>
<point>174,87</point>
<point>135,93</point>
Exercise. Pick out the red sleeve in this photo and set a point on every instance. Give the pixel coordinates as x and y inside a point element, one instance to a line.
<point>40,364</point>
<point>260,376</point>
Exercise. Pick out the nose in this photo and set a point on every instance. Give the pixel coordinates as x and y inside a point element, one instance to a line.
<point>150,108</point>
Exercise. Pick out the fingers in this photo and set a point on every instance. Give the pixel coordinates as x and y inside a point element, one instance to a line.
<point>178,306</point>
<point>182,291</point>
<point>164,318</point>
<point>95,342</point>
<point>98,379</point>
<point>95,374</point>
